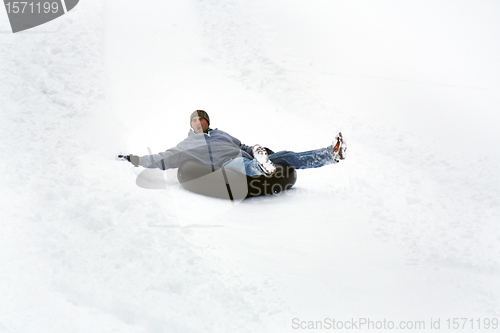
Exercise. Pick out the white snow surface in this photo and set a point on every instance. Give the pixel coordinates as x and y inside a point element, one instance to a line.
<point>405,229</point>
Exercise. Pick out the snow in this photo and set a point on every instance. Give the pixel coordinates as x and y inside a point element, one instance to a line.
<point>405,229</point>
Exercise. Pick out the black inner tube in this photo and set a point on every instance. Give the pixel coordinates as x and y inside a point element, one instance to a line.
<point>230,184</point>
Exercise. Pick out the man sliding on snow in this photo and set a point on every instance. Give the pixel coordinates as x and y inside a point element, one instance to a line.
<point>218,149</point>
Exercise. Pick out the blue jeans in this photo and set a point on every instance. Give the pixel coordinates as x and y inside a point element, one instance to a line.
<point>303,160</point>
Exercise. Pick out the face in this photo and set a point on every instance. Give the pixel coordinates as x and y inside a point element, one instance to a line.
<point>199,125</point>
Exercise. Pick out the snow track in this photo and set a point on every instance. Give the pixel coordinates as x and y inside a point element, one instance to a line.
<point>406,228</point>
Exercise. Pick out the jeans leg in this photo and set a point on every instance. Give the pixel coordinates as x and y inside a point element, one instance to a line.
<point>305,160</point>
<point>244,166</point>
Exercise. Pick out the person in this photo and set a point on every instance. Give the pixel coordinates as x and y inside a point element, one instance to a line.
<point>219,149</point>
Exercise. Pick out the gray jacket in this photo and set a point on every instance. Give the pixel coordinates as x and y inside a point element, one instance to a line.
<point>212,148</point>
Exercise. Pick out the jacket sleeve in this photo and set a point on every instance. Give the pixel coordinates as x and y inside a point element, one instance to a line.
<point>247,149</point>
<point>193,147</point>
<point>171,158</point>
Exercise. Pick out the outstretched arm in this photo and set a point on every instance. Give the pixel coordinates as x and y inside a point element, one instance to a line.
<point>170,158</point>
<point>134,159</point>
<point>164,160</point>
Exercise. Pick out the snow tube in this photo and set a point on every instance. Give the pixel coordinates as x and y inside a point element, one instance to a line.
<point>230,184</point>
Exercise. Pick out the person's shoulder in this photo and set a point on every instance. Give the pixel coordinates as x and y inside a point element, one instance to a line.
<point>219,133</point>
<point>216,130</point>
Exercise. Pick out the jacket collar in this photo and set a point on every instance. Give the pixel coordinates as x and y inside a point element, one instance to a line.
<point>191,132</point>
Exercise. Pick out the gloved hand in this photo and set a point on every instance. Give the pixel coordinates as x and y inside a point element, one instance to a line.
<point>134,159</point>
